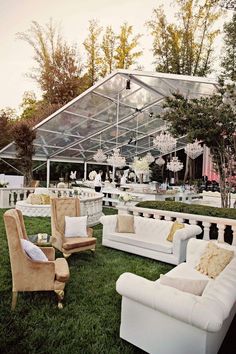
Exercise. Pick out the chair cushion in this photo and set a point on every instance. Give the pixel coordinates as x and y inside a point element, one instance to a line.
<point>33,251</point>
<point>77,242</point>
<point>214,260</point>
<point>125,223</point>
<point>176,226</point>
<point>62,272</point>
<point>76,226</point>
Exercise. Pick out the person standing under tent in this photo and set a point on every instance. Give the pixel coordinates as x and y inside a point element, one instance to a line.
<point>98,181</point>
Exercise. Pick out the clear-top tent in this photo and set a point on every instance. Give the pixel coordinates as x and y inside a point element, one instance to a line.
<point>118,111</point>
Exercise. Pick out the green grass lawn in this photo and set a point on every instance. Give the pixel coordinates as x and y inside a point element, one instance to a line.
<point>89,322</point>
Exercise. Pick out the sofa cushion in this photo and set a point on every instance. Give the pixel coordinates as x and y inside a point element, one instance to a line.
<point>45,199</point>
<point>151,243</point>
<point>176,226</point>
<point>188,285</point>
<point>125,223</point>
<point>150,228</point>
<point>214,260</point>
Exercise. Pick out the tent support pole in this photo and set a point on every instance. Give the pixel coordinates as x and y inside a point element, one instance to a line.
<point>85,170</point>
<point>48,173</point>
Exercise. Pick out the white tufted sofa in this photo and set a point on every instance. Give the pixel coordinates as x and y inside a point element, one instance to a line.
<point>163,320</point>
<point>149,239</point>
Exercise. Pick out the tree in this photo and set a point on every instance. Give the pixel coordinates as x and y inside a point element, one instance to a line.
<point>125,55</point>
<point>92,47</point>
<point>211,120</point>
<point>229,59</point>
<point>7,117</point>
<point>108,51</point>
<point>24,136</point>
<point>34,111</point>
<point>187,47</point>
<point>58,69</point>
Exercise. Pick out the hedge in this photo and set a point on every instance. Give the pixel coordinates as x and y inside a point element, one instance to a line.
<point>189,208</point>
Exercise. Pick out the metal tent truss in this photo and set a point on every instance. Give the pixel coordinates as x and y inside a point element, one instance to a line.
<point>77,130</point>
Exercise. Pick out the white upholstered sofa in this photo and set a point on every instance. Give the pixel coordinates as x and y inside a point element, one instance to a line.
<point>149,238</point>
<point>163,320</point>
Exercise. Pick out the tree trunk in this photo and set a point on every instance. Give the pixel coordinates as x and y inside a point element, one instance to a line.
<point>186,169</point>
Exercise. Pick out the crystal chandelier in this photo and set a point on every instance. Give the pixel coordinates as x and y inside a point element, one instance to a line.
<point>99,156</point>
<point>116,159</point>
<point>165,142</point>
<point>193,150</point>
<point>160,161</point>
<point>228,4</point>
<point>175,165</point>
<point>149,158</point>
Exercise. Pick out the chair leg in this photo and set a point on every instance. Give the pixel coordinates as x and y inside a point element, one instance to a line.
<point>14,300</point>
<point>60,297</point>
<point>66,255</point>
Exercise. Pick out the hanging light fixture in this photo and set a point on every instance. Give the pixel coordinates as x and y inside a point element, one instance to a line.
<point>116,159</point>
<point>160,161</point>
<point>165,142</point>
<point>175,165</point>
<point>99,156</point>
<point>228,4</point>
<point>149,156</point>
<point>193,150</point>
<point>127,84</point>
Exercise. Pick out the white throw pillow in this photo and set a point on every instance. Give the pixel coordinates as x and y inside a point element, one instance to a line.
<point>193,286</point>
<point>33,251</point>
<point>76,226</point>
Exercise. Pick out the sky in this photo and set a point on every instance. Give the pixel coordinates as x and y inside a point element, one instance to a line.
<point>16,56</point>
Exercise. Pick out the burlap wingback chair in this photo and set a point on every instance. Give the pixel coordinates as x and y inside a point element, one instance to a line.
<point>27,274</point>
<point>61,207</point>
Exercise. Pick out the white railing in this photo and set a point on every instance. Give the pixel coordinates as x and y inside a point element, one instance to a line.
<point>9,196</point>
<point>90,201</point>
<point>204,221</point>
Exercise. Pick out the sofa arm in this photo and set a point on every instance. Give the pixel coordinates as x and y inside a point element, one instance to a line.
<point>181,238</point>
<point>187,232</point>
<point>109,224</point>
<point>191,309</point>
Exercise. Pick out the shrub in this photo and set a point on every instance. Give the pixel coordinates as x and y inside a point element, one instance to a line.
<point>189,208</point>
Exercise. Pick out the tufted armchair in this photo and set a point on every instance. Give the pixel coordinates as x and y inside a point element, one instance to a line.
<point>28,274</point>
<point>61,207</point>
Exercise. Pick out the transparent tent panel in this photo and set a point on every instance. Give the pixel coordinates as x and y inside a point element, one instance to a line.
<point>89,105</point>
<point>75,130</point>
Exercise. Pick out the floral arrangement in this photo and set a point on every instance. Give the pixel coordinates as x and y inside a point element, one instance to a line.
<point>126,198</point>
<point>141,166</point>
<point>92,175</point>
<point>3,184</point>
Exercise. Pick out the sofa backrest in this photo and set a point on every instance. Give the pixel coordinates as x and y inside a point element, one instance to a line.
<point>196,248</point>
<point>149,227</point>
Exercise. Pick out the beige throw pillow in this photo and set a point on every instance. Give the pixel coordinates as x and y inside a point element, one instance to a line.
<point>36,199</point>
<point>214,260</point>
<point>125,223</point>
<point>176,226</point>
<point>192,286</point>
